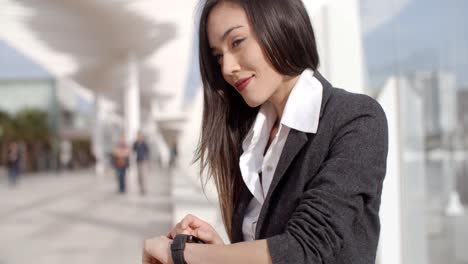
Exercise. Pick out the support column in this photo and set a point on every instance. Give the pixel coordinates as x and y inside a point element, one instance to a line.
<point>132,100</point>
<point>335,23</point>
<point>98,143</point>
<point>132,114</point>
<point>160,143</point>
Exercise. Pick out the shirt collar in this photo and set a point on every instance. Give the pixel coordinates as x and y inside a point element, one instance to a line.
<point>302,110</point>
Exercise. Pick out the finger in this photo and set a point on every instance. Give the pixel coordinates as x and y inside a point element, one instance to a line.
<point>176,231</point>
<point>187,220</point>
<point>147,258</point>
<point>144,258</point>
<point>147,247</point>
<point>192,221</point>
<point>207,237</point>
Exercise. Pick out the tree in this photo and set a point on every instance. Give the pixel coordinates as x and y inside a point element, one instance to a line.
<point>6,126</point>
<point>6,132</point>
<point>30,125</point>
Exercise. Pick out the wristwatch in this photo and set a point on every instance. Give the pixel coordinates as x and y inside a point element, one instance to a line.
<point>178,246</point>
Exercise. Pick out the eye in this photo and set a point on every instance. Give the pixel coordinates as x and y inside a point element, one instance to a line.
<point>237,42</point>
<point>218,57</point>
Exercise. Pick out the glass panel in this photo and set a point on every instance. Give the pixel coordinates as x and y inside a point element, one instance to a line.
<point>423,45</point>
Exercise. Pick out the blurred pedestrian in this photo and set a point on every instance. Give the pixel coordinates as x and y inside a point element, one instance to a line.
<point>173,157</point>
<point>13,163</point>
<point>65,154</point>
<point>140,147</point>
<point>121,162</point>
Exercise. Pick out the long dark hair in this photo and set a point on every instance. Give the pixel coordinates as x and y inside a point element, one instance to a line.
<point>285,33</point>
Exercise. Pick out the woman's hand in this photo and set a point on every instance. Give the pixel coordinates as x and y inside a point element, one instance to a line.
<point>157,250</point>
<point>192,225</point>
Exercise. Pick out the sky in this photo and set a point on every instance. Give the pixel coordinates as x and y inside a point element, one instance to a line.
<point>14,65</point>
<point>415,35</point>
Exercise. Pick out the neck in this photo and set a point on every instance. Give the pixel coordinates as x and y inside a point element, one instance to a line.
<point>280,97</point>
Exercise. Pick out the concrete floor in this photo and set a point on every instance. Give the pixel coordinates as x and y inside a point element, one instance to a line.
<point>78,218</point>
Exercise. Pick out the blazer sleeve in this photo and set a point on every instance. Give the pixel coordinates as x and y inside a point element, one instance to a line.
<point>346,189</point>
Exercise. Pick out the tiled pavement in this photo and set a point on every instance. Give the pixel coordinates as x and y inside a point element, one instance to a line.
<point>77,217</point>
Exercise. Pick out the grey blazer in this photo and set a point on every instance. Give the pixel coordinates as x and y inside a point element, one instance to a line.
<point>323,202</point>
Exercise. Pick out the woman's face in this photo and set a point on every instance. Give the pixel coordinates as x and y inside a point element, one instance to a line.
<point>243,62</point>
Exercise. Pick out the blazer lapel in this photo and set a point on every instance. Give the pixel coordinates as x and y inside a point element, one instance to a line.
<point>326,91</point>
<point>294,143</point>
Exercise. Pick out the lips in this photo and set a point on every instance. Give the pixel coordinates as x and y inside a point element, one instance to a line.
<point>243,83</point>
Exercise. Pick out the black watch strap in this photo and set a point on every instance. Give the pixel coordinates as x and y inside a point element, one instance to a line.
<point>177,249</point>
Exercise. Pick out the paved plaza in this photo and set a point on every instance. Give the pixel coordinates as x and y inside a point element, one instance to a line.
<point>77,217</point>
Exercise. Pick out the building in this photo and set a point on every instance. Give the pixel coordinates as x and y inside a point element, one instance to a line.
<point>24,85</point>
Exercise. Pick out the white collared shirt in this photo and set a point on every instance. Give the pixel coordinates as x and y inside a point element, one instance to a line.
<point>302,112</point>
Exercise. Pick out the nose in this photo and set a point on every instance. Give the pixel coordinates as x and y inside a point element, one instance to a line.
<point>230,64</point>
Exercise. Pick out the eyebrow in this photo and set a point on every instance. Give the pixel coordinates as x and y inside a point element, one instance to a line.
<point>226,33</point>
<point>229,31</point>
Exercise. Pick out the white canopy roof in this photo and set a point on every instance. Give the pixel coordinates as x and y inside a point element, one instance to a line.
<point>90,41</point>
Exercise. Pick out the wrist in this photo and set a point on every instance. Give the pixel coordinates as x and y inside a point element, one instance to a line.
<point>169,259</point>
<point>178,247</point>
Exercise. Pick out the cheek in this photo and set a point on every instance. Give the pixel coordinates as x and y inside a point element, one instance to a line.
<point>252,56</point>
<point>257,61</point>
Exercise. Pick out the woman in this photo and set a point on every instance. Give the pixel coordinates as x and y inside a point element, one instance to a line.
<point>13,163</point>
<point>120,156</point>
<point>298,164</point>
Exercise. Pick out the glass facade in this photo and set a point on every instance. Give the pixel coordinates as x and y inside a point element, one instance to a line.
<point>421,48</point>
<point>21,94</point>
<point>38,94</point>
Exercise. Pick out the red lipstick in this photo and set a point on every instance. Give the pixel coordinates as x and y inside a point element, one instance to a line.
<point>242,83</point>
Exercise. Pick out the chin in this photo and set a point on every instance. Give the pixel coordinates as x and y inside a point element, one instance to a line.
<point>253,103</point>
